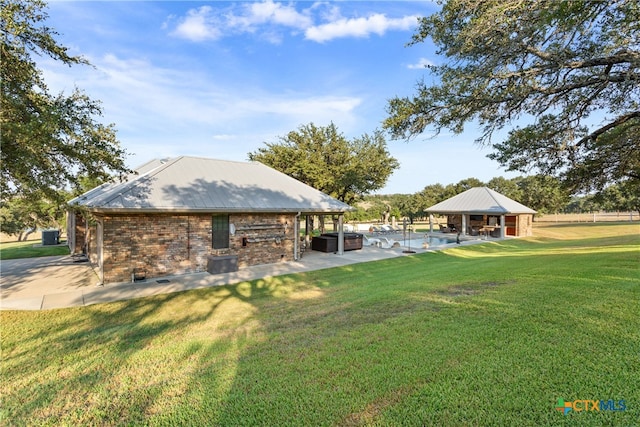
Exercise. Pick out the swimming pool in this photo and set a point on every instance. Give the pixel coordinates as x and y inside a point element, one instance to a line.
<point>431,241</point>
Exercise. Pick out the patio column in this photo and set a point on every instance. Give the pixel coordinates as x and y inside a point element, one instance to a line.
<point>502,229</point>
<point>430,223</point>
<point>340,234</point>
<point>464,224</point>
<point>296,237</point>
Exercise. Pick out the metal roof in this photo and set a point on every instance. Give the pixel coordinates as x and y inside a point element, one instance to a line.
<point>480,200</point>
<point>188,184</point>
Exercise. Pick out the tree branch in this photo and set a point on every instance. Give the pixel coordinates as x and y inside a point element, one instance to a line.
<point>620,120</point>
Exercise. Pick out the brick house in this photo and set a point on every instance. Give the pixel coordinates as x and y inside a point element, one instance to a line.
<point>482,209</point>
<point>174,215</point>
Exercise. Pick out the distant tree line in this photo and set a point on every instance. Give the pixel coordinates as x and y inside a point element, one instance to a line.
<point>542,193</point>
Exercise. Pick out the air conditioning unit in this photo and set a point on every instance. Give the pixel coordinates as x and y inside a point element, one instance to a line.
<point>50,237</point>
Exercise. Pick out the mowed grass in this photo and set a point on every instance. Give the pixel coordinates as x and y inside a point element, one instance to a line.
<point>491,334</point>
<point>30,249</point>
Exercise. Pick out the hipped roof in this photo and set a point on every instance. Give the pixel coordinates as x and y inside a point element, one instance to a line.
<point>194,184</point>
<point>480,200</point>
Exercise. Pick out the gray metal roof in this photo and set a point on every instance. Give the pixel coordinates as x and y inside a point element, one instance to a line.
<point>480,200</point>
<point>207,185</point>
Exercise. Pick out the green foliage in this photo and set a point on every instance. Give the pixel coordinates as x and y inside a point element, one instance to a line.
<point>324,159</point>
<point>487,335</point>
<point>20,213</point>
<point>621,197</point>
<point>11,223</point>
<point>508,187</point>
<point>48,140</point>
<point>542,193</point>
<point>556,67</point>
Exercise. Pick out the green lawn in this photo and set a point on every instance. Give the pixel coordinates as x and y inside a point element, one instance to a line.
<point>30,249</point>
<point>492,334</point>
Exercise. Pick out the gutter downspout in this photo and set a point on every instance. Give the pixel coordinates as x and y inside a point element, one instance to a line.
<point>296,232</point>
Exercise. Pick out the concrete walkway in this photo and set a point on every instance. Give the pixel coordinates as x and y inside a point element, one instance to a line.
<point>59,282</point>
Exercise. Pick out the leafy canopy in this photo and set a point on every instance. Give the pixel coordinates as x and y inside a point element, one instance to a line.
<point>324,159</point>
<point>566,71</point>
<point>48,140</point>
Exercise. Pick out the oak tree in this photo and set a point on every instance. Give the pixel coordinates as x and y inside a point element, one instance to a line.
<point>326,160</point>
<point>561,75</point>
<point>48,140</point>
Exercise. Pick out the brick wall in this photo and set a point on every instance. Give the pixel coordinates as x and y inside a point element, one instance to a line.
<point>78,233</point>
<point>525,225</point>
<point>165,244</point>
<point>262,238</point>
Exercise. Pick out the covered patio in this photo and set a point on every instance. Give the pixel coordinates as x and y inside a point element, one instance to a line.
<point>481,210</point>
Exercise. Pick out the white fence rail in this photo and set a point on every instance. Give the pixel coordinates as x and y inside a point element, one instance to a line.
<point>589,217</point>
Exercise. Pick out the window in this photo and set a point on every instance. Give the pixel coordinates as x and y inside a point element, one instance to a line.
<point>476,217</point>
<point>220,231</point>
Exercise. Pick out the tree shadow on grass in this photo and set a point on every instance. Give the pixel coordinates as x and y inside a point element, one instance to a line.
<point>335,360</point>
<point>88,364</point>
<point>130,360</point>
<point>314,348</point>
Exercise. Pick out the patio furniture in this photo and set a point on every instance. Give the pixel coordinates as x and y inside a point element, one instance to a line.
<point>367,241</point>
<point>328,242</point>
<point>324,244</point>
<point>487,231</point>
<point>388,243</point>
<point>352,241</point>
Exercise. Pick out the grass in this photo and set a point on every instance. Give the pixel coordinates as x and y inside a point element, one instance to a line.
<point>30,249</point>
<point>490,334</point>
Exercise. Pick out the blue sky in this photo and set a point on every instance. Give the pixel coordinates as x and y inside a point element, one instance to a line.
<point>219,79</point>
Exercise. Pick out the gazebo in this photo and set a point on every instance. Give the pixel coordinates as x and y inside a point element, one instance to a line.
<point>483,210</point>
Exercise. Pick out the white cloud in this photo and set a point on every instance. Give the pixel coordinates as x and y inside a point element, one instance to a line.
<point>421,64</point>
<point>183,109</point>
<point>198,25</point>
<point>206,23</point>
<point>359,27</point>
<point>277,13</point>
<point>269,18</point>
